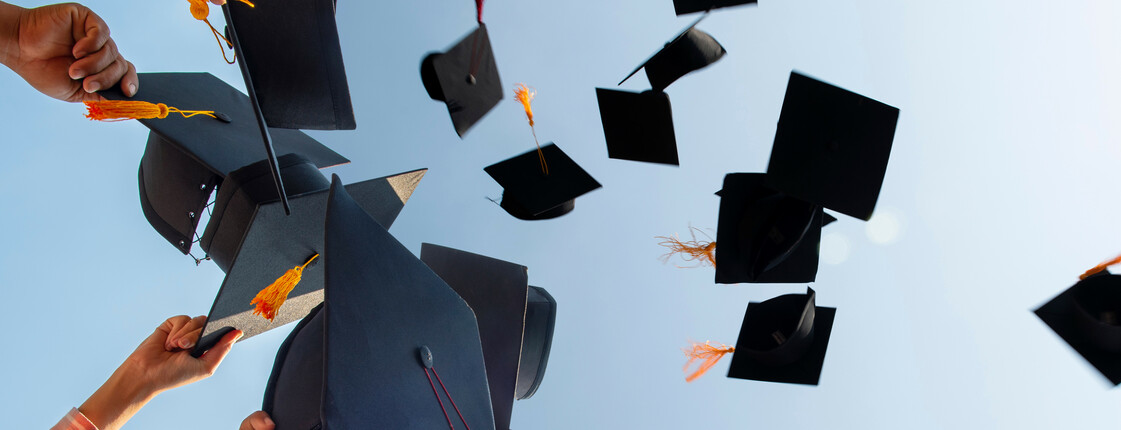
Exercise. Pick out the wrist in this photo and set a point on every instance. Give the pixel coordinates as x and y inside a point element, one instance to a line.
<point>118,399</point>
<point>10,17</point>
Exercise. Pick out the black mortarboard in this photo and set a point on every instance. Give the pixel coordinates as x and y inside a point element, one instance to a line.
<point>763,235</point>
<point>187,157</point>
<point>393,347</point>
<point>683,7</point>
<point>530,194</point>
<point>1087,316</point>
<point>832,146</point>
<point>294,62</point>
<point>783,340</point>
<point>250,238</point>
<point>465,78</point>
<point>638,126</point>
<point>514,334</point>
<point>690,50</point>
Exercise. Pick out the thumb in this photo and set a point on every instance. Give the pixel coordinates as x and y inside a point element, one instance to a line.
<point>214,356</point>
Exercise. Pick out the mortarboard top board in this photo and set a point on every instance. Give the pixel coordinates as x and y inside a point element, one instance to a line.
<point>638,126</point>
<point>254,242</point>
<point>537,341</point>
<point>290,53</point>
<point>498,292</point>
<point>684,7</point>
<point>763,235</point>
<point>832,146</point>
<point>358,362</point>
<point>784,340</point>
<point>530,194</point>
<point>187,157</point>
<point>465,78</point>
<point>1087,316</point>
<point>689,51</point>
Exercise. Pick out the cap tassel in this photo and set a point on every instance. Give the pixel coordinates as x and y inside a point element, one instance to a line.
<point>524,94</point>
<point>121,110</point>
<point>692,250</point>
<point>479,8</point>
<point>708,354</point>
<point>200,9</point>
<point>1099,268</point>
<point>270,299</point>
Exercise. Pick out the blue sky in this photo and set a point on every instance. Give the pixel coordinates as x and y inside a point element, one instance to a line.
<point>997,196</point>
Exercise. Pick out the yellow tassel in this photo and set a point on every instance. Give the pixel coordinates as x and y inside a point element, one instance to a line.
<point>120,110</point>
<point>1099,268</point>
<point>692,250</point>
<point>270,299</point>
<point>708,354</point>
<point>200,9</point>
<point>524,94</point>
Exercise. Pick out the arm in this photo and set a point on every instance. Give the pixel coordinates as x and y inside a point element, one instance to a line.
<point>161,362</point>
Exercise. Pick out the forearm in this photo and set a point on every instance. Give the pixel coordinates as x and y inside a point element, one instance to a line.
<point>118,399</point>
<point>9,33</point>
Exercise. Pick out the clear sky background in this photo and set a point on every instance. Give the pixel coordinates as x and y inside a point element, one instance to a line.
<point>1000,191</point>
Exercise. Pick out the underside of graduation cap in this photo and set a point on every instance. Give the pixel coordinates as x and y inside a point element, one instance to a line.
<point>392,327</point>
<point>530,194</point>
<point>465,78</point>
<point>537,341</point>
<point>1087,317</point>
<point>255,243</point>
<point>169,192</point>
<point>638,126</point>
<point>497,292</point>
<point>784,340</point>
<point>689,51</point>
<point>832,146</point>
<point>292,53</point>
<point>683,7</point>
<point>765,236</point>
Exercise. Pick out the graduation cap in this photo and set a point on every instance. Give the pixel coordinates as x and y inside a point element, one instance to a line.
<point>1087,316</point>
<point>832,146</point>
<point>530,194</point>
<point>516,332</point>
<point>392,346</point>
<point>689,51</point>
<point>186,158</point>
<point>638,126</point>
<point>290,57</point>
<point>254,242</point>
<point>465,78</point>
<point>763,235</point>
<point>683,7</point>
<point>783,340</point>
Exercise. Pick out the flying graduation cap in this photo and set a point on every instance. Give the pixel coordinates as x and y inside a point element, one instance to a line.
<point>783,339</point>
<point>764,235</point>
<point>1087,316</point>
<point>639,126</point>
<point>465,78</point>
<point>391,347</point>
<point>832,146</point>
<point>530,194</point>
<point>515,321</point>
<point>187,158</point>
<point>254,242</point>
<point>684,7</point>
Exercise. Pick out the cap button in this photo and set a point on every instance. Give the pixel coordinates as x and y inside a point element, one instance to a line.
<point>223,117</point>
<point>471,79</point>
<point>835,146</point>
<point>425,357</point>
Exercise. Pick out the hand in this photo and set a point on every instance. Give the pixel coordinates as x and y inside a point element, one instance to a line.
<point>258,420</point>
<point>65,52</point>
<point>162,361</point>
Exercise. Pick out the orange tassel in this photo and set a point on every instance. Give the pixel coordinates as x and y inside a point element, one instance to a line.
<point>270,299</point>
<point>200,9</point>
<point>708,354</point>
<point>524,94</point>
<point>693,250</point>
<point>120,110</point>
<point>1099,268</point>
